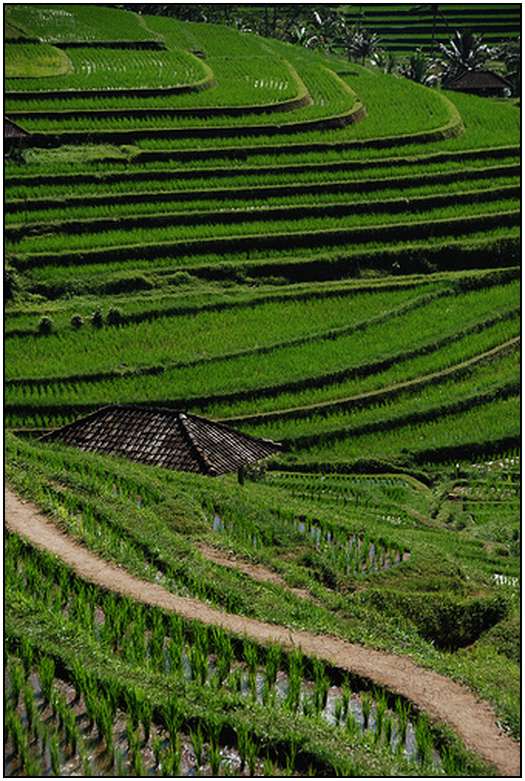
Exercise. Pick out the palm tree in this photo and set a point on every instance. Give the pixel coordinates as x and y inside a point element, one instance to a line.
<point>327,30</point>
<point>421,69</point>
<point>361,43</point>
<point>303,36</point>
<point>510,53</point>
<point>384,60</point>
<point>465,52</point>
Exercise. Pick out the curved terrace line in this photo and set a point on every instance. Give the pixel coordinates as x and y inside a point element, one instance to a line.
<point>354,113</point>
<point>391,423</point>
<point>442,698</point>
<point>270,213</point>
<point>299,292</point>
<point>381,394</point>
<point>292,168</point>
<point>452,128</point>
<point>329,334</point>
<point>318,381</point>
<point>245,242</point>
<point>301,100</point>
<point>207,81</point>
<point>264,191</point>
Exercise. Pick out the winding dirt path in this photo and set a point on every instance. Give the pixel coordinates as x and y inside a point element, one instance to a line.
<point>443,699</point>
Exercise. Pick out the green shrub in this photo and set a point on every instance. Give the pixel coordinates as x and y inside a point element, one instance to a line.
<point>11,283</point>
<point>77,321</point>
<point>505,637</point>
<point>114,316</point>
<point>444,619</point>
<point>97,320</point>
<point>45,325</point>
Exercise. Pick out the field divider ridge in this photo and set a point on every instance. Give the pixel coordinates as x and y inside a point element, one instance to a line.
<point>391,423</point>
<point>355,113</point>
<point>329,334</point>
<point>454,127</point>
<point>246,242</point>
<point>301,100</point>
<point>264,191</point>
<point>318,381</point>
<point>381,394</point>
<point>269,213</point>
<point>211,172</point>
<point>305,292</point>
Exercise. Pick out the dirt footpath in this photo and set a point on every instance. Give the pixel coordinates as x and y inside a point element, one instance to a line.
<point>443,699</point>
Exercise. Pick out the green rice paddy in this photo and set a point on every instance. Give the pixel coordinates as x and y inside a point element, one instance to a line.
<point>307,250</point>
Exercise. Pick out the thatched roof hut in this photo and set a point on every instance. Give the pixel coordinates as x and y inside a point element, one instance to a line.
<point>483,83</point>
<point>12,130</point>
<point>164,437</point>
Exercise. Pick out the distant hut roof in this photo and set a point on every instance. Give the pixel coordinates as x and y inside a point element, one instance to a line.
<point>478,80</point>
<point>163,437</point>
<point>12,130</point>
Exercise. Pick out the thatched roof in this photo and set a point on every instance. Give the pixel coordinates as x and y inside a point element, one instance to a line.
<point>164,437</point>
<point>12,130</point>
<point>478,80</point>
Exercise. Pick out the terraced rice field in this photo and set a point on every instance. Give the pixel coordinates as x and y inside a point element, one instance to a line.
<point>402,28</point>
<point>310,251</point>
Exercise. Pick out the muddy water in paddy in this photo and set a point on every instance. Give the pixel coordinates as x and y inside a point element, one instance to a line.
<point>355,553</point>
<point>97,762</point>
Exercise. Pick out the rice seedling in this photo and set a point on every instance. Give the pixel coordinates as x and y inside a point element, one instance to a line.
<point>366,706</point>
<point>251,755</point>
<point>137,762</point>
<point>402,710</point>
<point>291,757</point>
<point>424,740</point>
<point>224,651</point>
<point>380,710</point>
<point>72,732</point>
<point>197,741</point>
<point>199,664</point>
<point>273,662</point>
<point>322,684</point>
<point>269,769</point>
<point>295,677</point>
<point>16,680</point>
<point>54,752</point>
<point>29,706</point>
<point>118,763</point>
<point>215,759</point>
<point>26,649</point>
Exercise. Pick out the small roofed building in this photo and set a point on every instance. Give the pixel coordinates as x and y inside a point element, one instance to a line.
<point>164,437</point>
<point>12,130</point>
<point>14,135</point>
<point>483,83</point>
